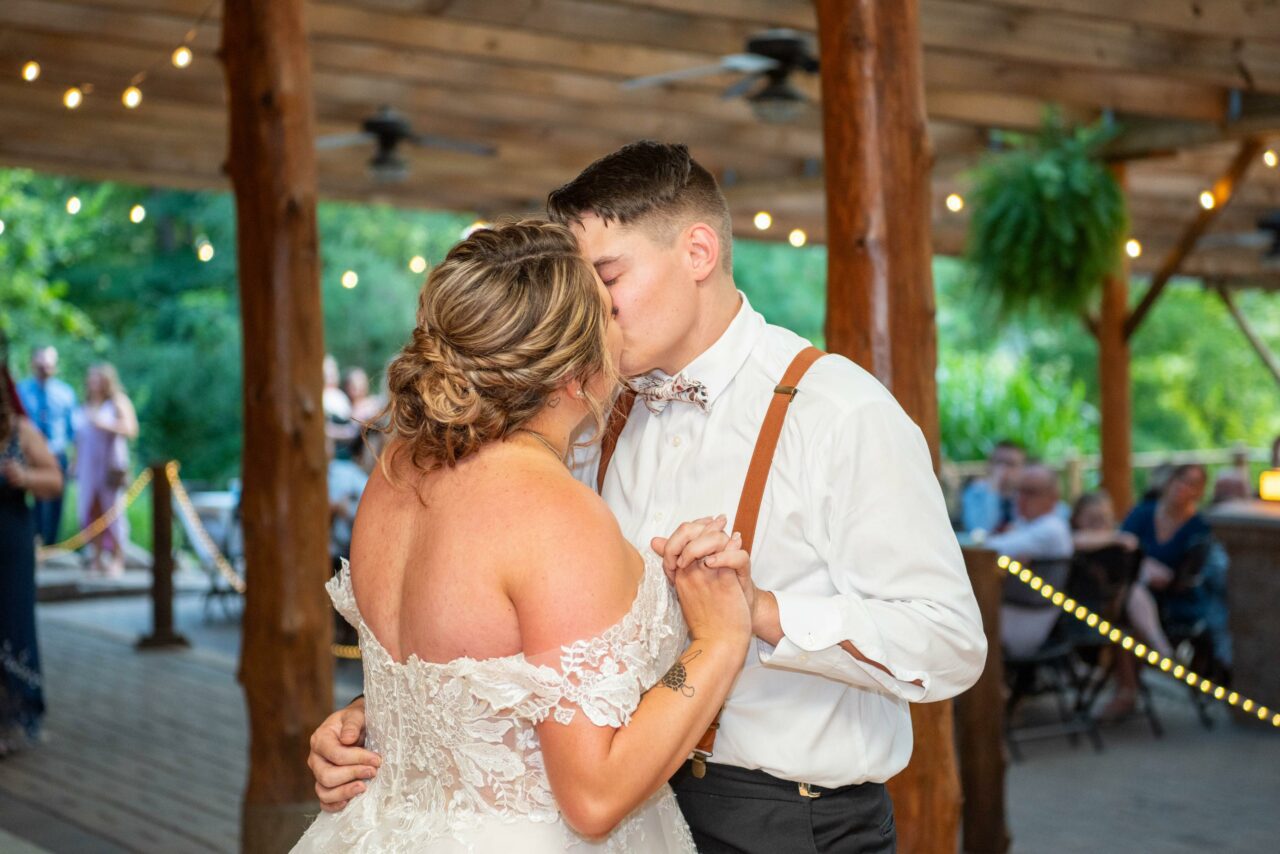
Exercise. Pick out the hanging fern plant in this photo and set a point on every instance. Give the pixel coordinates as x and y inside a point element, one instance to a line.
<point>1049,220</point>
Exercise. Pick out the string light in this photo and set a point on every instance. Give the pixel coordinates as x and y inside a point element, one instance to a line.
<point>1207,201</point>
<point>350,279</point>
<point>955,203</point>
<point>204,250</point>
<point>137,214</point>
<point>763,220</point>
<point>1138,649</point>
<point>797,237</point>
<point>132,97</point>
<point>473,228</point>
<point>73,97</point>
<point>73,205</point>
<point>1268,157</point>
<point>181,56</point>
<point>1133,248</point>
<point>1,226</point>
<point>31,71</point>
<point>417,264</point>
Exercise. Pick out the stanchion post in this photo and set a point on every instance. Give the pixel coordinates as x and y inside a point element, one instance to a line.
<point>980,722</point>
<point>162,633</point>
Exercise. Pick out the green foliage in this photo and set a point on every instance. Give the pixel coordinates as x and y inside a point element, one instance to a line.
<point>1048,221</point>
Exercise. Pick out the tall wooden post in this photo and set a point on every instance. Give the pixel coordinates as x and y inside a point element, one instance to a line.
<point>880,308</point>
<point>285,665</point>
<point>1113,383</point>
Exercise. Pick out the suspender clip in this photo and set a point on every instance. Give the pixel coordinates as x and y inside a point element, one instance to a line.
<point>789,390</point>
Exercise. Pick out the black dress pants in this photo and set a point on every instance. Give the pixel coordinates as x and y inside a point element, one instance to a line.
<point>733,810</point>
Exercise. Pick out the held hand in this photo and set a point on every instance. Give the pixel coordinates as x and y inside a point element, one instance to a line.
<point>733,556</point>
<point>671,548</point>
<point>713,604</point>
<point>338,760</point>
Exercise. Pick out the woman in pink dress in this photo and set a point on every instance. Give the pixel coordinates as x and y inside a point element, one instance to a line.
<point>102,461</point>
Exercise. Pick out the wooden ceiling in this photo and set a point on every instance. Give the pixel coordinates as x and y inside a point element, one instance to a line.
<point>538,79</point>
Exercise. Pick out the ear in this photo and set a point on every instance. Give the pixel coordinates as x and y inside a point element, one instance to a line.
<point>703,245</point>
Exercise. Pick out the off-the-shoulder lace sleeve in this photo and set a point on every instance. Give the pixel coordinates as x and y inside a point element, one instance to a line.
<point>343,597</point>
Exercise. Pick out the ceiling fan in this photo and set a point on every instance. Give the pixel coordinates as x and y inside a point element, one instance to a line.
<point>771,57</point>
<point>1265,238</point>
<point>388,129</point>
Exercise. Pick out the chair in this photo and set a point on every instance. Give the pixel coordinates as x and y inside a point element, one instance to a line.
<point>1050,669</point>
<point>218,513</point>
<point>1101,580</point>
<point>1182,615</point>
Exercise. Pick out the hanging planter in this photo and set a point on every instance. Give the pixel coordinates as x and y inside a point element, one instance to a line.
<point>1049,220</point>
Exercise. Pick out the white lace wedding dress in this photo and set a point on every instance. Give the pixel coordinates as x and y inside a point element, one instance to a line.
<point>462,768</point>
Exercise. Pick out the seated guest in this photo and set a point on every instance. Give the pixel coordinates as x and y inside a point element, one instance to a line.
<point>987,504</point>
<point>1039,533</point>
<point>1093,527</point>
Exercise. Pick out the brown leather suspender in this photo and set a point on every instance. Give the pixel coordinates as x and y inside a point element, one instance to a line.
<point>744,521</point>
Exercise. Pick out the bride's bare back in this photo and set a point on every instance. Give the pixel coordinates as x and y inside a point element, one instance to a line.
<point>434,577</point>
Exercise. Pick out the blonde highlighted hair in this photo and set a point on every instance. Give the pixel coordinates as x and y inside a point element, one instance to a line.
<point>511,315</point>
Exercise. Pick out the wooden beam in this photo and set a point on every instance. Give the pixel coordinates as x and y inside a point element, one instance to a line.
<point>880,294</point>
<point>285,663</point>
<point>1115,389</point>
<point>1222,192</point>
<point>1259,346</point>
<point>1237,19</point>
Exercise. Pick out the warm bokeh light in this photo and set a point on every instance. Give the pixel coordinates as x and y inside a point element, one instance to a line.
<point>1269,158</point>
<point>30,71</point>
<point>132,97</point>
<point>182,57</point>
<point>763,220</point>
<point>1269,485</point>
<point>418,264</point>
<point>205,252</point>
<point>797,237</point>
<point>73,97</point>
<point>350,279</point>
<point>1133,248</point>
<point>955,203</point>
<point>73,205</point>
<point>137,213</point>
<point>473,228</point>
<point>1207,201</point>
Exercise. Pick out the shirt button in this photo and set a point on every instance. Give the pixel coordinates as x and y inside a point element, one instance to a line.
<point>675,441</point>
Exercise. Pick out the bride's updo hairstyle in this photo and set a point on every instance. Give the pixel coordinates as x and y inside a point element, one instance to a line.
<point>511,314</point>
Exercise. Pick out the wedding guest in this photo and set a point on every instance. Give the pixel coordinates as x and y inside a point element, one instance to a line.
<point>102,462</point>
<point>26,465</point>
<point>51,404</point>
<point>987,504</point>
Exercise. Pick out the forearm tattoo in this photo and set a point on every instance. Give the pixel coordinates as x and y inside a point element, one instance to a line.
<point>677,677</point>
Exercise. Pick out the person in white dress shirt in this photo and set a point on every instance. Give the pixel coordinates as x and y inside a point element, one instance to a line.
<point>861,603</point>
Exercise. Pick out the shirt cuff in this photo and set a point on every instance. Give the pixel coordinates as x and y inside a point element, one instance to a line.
<point>813,627</point>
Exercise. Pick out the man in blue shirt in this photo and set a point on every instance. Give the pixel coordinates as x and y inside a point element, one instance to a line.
<point>51,404</point>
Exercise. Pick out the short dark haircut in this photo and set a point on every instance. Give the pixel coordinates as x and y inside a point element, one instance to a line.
<point>655,185</point>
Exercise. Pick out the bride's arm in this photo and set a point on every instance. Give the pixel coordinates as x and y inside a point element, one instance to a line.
<point>599,774</point>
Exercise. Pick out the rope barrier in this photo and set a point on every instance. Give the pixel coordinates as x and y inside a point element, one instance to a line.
<point>1132,645</point>
<point>97,526</point>
<point>224,567</point>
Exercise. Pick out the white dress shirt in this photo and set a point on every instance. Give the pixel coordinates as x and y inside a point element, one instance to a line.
<point>1023,630</point>
<point>853,539</point>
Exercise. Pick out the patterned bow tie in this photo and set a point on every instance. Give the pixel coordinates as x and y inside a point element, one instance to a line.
<point>657,392</point>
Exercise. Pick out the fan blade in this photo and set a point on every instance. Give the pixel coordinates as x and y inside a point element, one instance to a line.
<point>742,87</point>
<point>342,140</point>
<point>430,140</point>
<point>746,63</point>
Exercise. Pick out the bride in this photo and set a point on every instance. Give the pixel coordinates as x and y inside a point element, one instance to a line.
<point>529,681</point>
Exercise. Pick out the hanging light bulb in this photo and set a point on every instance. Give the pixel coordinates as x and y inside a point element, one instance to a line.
<point>350,279</point>
<point>30,71</point>
<point>418,264</point>
<point>137,214</point>
<point>474,227</point>
<point>1269,158</point>
<point>763,220</point>
<point>204,251</point>
<point>132,97</point>
<point>73,97</point>
<point>955,203</point>
<point>1,226</point>
<point>73,205</point>
<point>1132,248</point>
<point>181,56</point>
<point>797,237</point>
<point>1207,200</point>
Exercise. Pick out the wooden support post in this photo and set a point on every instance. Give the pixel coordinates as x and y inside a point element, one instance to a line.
<point>980,721</point>
<point>1114,387</point>
<point>285,663</point>
<point>880,294</point>
<point>162,633</point>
